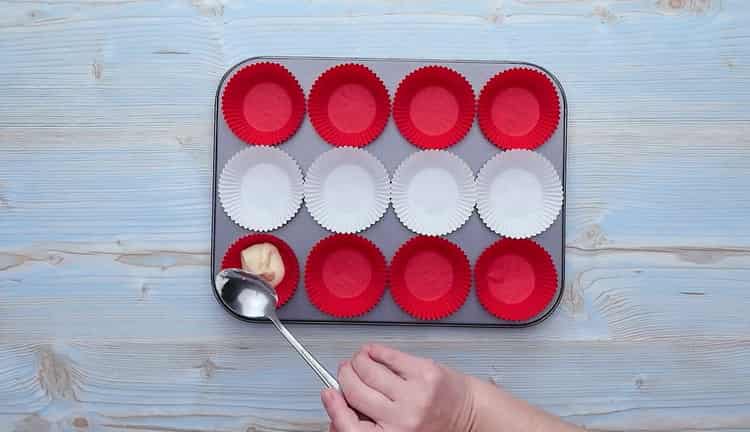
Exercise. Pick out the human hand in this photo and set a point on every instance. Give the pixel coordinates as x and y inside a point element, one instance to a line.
<point>403,393</point>
<point>399,392</point>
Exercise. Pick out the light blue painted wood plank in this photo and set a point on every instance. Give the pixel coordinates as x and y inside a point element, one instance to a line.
<point>618,296</point>
<point>151,189</point>
<point>209,386</point>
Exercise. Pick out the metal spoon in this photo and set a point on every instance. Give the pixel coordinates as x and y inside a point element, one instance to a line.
<point>249,296</point>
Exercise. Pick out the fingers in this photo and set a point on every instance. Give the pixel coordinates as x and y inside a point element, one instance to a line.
<point>401,363</point>
<point>361,397</point>
<point>343,419</point>
<point>376,375</point>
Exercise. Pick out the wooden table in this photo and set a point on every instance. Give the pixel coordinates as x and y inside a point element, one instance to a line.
<point>106,318</point>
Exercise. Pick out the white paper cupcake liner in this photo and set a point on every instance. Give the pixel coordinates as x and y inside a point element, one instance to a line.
<point>519,194</point>
<point>260,188</point>
<point>347,190</point>
<point>433,192</point>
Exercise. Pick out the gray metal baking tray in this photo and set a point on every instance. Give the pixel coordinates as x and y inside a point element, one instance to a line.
<point>302,232</point>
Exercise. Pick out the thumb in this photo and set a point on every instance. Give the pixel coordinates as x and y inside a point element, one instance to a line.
<point>343,419</point>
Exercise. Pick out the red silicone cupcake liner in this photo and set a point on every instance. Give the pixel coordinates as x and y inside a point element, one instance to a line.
<point>345,275</point>
<point>518,109</point>
<point>349,105</point>
<point>515,279</point>
<point>434,107</point>
<point>430,277</point>
<point>263,104</point>
<point>287,286</point>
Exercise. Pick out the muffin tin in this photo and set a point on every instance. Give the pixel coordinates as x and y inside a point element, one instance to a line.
<point>391,137</point>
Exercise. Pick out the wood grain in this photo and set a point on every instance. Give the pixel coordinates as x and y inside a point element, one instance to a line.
<point>221,387</point>
<point>106,129</point>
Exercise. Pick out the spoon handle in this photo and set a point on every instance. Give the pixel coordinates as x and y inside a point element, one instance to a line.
<point>328,380</point>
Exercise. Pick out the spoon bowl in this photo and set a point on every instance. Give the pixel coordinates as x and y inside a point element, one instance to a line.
<point>246,294</point>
